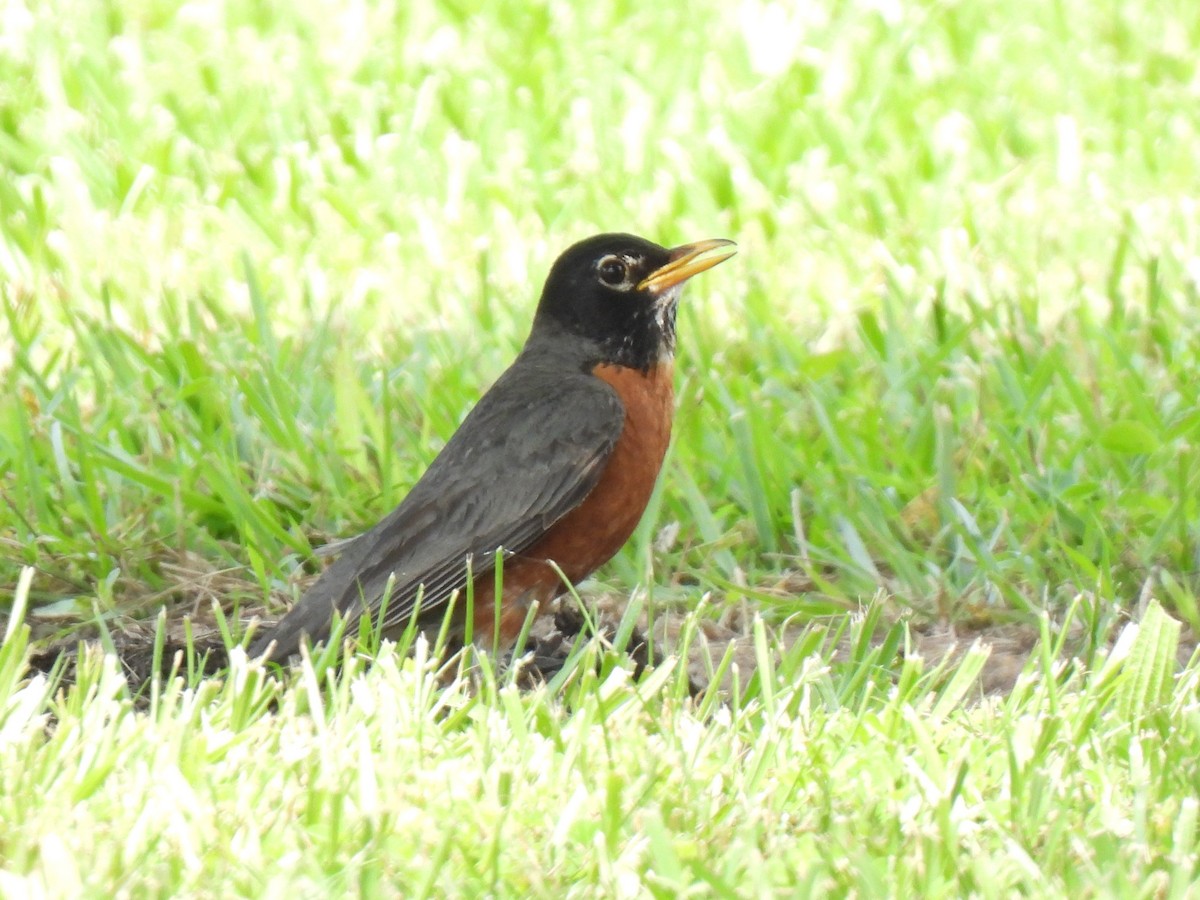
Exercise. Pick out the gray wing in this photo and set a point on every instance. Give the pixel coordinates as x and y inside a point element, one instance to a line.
<point>525,456</point>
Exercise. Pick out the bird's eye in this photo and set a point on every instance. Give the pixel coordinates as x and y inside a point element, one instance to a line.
<point>613,271</point>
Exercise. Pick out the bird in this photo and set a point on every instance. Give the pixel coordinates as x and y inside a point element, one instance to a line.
<point>551,470</point>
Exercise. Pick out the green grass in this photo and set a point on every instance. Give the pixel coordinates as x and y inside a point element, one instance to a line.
<point>813,778</point>
<point>257,262</point>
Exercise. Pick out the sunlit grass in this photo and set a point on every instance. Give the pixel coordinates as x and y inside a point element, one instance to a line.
<point>817,776</point>
<point>956,341</point>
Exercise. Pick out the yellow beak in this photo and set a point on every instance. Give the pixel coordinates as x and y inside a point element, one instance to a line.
<point>686,261</point>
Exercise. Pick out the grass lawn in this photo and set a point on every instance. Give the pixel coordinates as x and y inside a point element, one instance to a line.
<point>258,260</point>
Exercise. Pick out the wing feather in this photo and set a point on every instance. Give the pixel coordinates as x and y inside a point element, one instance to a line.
<point>525,456</point>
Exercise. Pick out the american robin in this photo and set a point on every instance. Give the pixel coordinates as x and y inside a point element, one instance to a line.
<point>555,464</point>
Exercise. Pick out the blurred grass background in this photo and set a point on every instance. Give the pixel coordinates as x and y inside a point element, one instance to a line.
<point>258,260</point>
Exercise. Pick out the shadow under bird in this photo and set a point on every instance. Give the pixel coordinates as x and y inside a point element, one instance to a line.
<point>555,464</point>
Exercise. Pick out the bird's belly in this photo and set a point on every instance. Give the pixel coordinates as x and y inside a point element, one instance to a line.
<point>592,533</point>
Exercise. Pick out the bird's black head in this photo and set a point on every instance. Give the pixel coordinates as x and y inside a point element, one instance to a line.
<point>620,292</point>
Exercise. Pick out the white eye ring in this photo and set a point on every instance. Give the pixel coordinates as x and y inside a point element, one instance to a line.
<point>613,271</point>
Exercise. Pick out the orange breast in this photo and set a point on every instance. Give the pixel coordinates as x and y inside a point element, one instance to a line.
<point>591,534</point>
